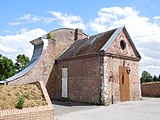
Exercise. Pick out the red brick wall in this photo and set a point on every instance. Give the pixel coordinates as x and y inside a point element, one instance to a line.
<point>42,69</point>
<point>37,113</point>
<point>150,90</point>
<point>83,80</point>
<point>116,49</point>
<point>111,66</point>
<point>62,38</point>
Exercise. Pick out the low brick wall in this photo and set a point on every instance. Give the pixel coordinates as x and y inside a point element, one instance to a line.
<point>34,113</point>
<point>150,90</point>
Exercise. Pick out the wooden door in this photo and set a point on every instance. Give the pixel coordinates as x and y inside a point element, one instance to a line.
<point>64,82</point>
<point>124,84</point>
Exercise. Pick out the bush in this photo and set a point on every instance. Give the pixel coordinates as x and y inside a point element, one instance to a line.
<point>20,103</point>
<point>49,36</point>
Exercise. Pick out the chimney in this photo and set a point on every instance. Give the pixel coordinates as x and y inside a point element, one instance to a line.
<point>78,34</point>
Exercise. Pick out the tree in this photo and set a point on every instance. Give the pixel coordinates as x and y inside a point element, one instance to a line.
<point>6,68</point>
<point>155,78</point>
<point>21,62</point>
<point>159,77</point>
<point>146,77</point>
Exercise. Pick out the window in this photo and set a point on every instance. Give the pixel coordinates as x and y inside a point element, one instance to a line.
<point>123,44</point>
<point>64,83</point>
<point>64,72</point>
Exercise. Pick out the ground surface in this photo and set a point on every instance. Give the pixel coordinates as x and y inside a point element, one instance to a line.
<point>9,96</point>
<point>146,109</point>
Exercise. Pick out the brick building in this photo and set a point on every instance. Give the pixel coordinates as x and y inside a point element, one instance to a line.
<point>98,69</point>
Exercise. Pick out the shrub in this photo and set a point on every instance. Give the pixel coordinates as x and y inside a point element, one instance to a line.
<point>49,36</point>
<point>20,102</point>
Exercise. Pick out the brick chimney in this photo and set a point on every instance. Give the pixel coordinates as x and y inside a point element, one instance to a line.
<point>78,34</point>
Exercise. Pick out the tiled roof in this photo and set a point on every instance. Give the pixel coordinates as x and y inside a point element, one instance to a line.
<point>87,45</point>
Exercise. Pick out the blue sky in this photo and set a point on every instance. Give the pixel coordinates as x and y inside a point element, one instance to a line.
<point>86,9</point>
<point>25,20</point>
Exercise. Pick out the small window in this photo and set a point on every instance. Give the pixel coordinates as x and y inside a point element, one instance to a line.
<point>123,44</point>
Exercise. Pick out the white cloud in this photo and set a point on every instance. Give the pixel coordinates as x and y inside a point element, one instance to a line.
<point>156,17</point>
<point>25,17</point>
<point>112,17</point>
<point>12,45</point>
<point>69,21</point>
<point>15,23</point>
<point>150,64</point>
<point>65,20</point>
<point>144,31</point>
<point>28,18</point>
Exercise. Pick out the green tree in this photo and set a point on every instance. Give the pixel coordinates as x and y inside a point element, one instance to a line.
<point>21,62</point>
<point>146,77</point>
<point>155,78</point>
<point>6,68</point>
<point>159,77</point>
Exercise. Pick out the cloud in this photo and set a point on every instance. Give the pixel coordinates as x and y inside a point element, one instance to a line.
<point>34,18</point>
<point>156,17</point>
<point>12,45</point>
<point>15,23</point>
<point>144,31</point>
<point>112,17</point>
<point>69,21</point>
<point>64,20</point>
<point>28,18</point>
<point>150,64</point>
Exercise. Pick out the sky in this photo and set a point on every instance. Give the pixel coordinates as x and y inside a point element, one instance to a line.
<point>24,20</point>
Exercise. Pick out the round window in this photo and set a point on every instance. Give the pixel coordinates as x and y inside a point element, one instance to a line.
<point>123,44</point>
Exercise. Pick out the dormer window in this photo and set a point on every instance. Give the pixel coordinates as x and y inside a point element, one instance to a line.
<point>123,44</point>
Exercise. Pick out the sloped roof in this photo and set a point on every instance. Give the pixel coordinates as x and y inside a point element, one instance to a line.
<point>87,45</point>
<point>38,48</point>
<point>96,43</point>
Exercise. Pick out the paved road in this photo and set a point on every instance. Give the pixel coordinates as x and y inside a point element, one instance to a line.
<point>69,107</point>
<point>146,109</point>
